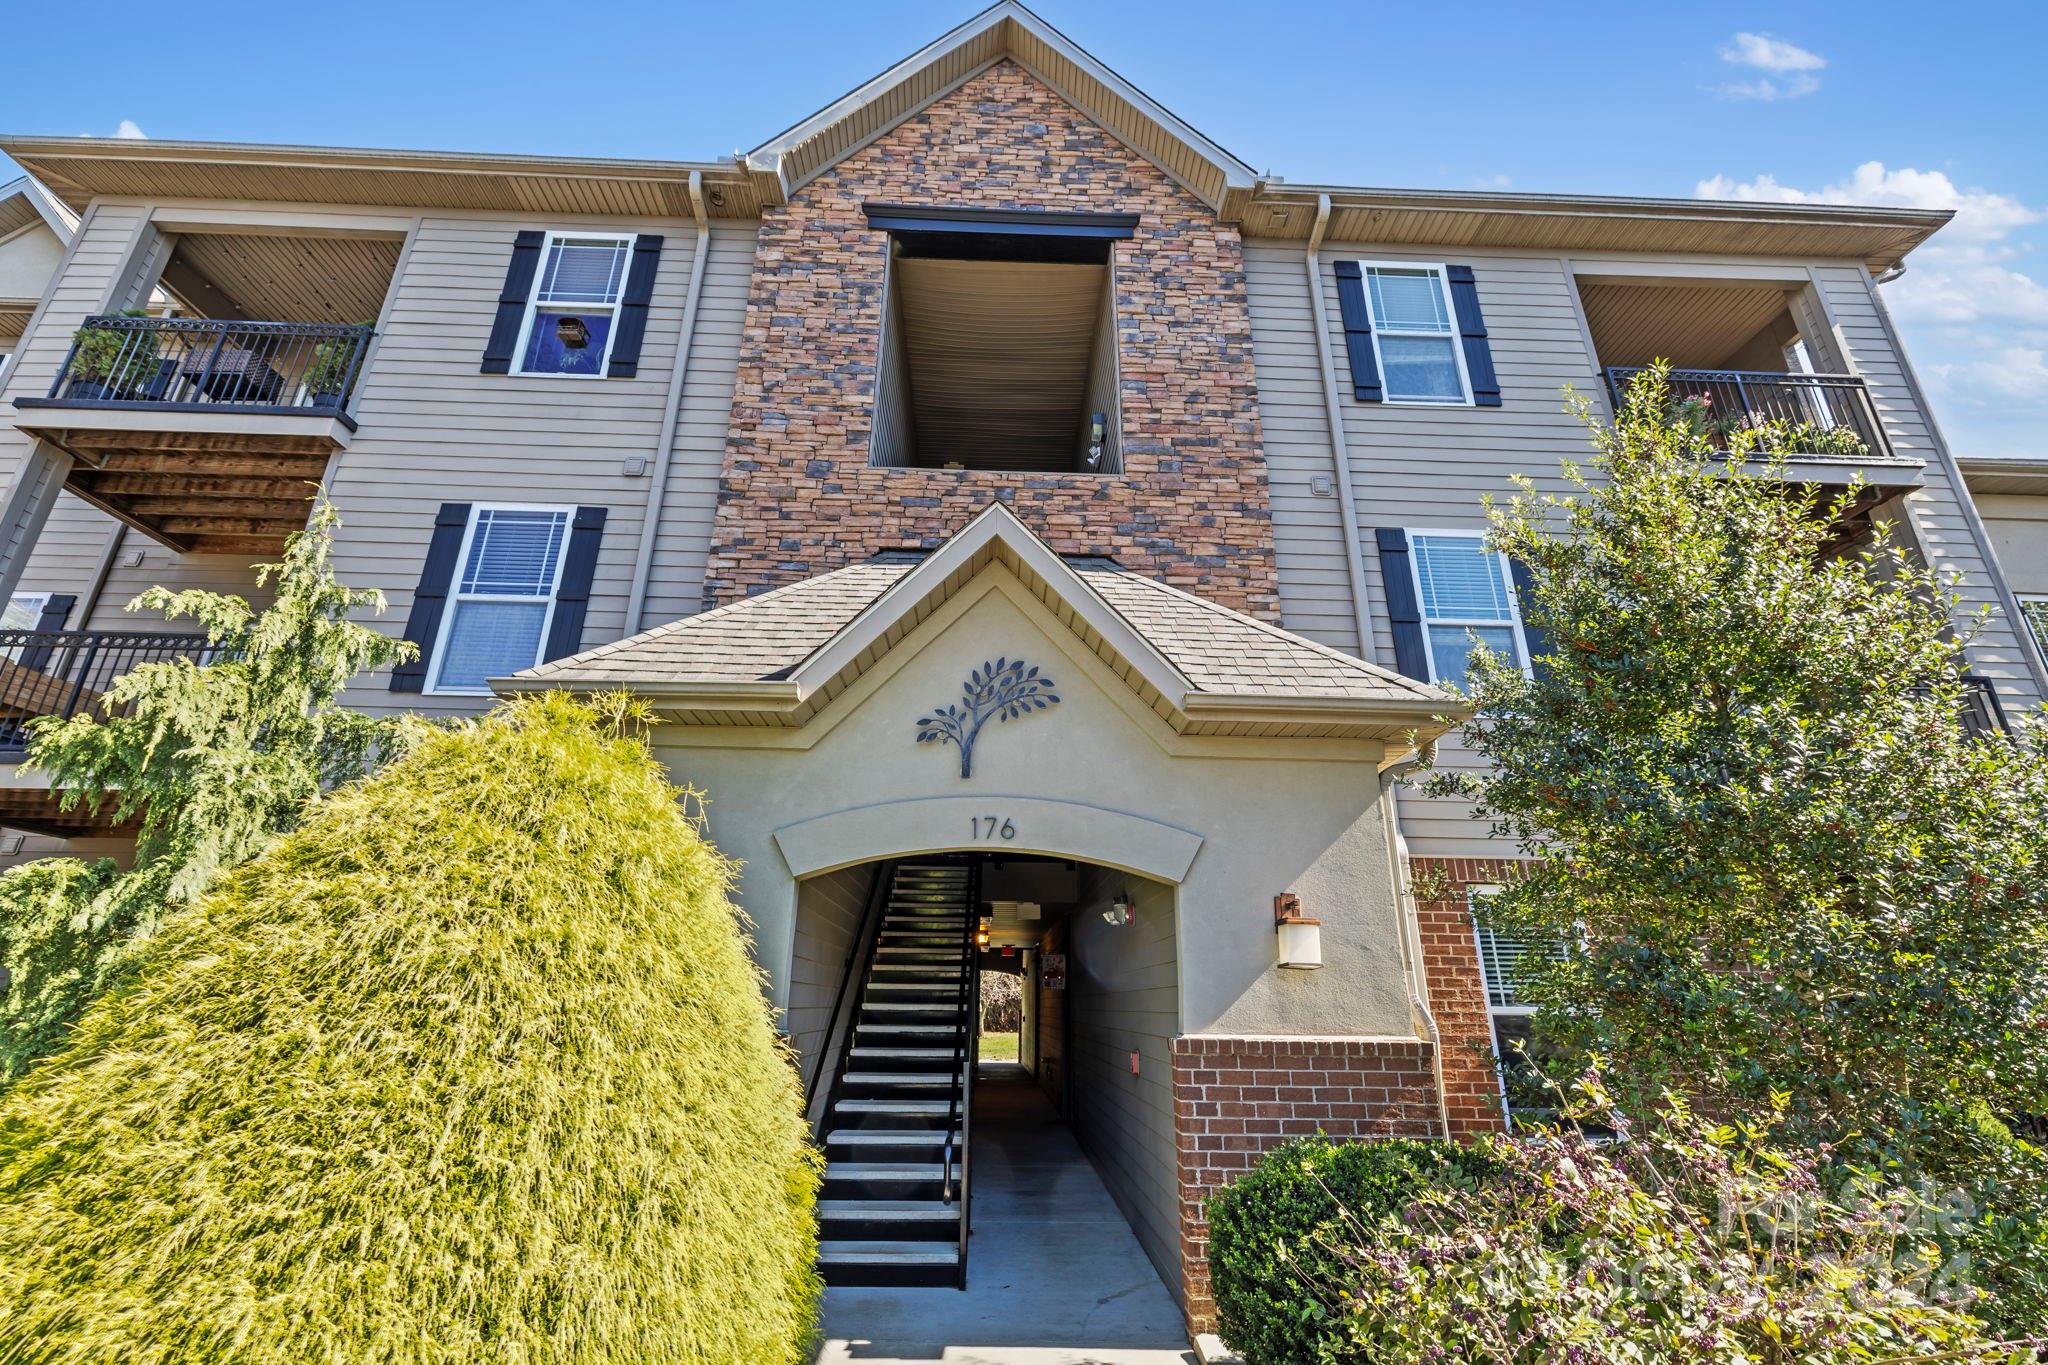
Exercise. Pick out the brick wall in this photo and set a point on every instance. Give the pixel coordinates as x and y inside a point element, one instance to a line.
<point>797,496</point>
<point>1236,1098</point>
<point>1457,990</point>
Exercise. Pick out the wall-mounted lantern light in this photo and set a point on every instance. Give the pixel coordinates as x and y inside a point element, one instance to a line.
<point>1122,910</point>
<point>981,933</point>
<point>1301,938</point>
<point>572,332</point>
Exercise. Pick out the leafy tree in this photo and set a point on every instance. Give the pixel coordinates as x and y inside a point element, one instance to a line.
<point>1774,857</point>
<point>213,758</point>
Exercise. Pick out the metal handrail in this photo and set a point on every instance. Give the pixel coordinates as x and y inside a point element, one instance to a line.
<point>61,672</point>
<point>971,1042</point>
<point>1822,401</point>
<point>839,1033</point>
<point>128,362</point>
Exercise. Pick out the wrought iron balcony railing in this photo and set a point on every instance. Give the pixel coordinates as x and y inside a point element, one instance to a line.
<point>1833,405</point>
<point>63,672</point>
<point>195,363</point>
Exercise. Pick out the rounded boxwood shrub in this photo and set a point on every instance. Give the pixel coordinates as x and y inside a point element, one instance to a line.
<point>472,1067</point>
<point>1275,1236</point>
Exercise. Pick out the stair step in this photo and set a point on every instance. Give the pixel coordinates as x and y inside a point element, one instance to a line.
<point>891,1137</point>
<point>916,1108</point>
<point>915,987</point>
<point>888,1172</point>
<point>919,968</point>
<point>920,1079</point>
<point>889,1210</point>
<point>888,1254</point>
<point>945,1005</point>
<point>903,1054</point>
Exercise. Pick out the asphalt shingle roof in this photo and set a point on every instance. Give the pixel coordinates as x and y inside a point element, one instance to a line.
<point>766,638</point>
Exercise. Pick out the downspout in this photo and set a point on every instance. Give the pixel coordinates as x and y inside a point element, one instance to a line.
<point>1340,450</point>
<point>664,450</point>
<point>1411,928</point>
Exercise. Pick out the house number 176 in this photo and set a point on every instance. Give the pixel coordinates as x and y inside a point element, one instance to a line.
<point>986,827</point>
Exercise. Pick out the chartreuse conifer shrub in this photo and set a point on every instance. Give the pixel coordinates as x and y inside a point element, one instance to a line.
<point>473,1066</point>
<point>211,758</point>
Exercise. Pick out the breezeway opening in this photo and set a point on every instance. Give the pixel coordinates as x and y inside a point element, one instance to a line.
<point>1068,1164</point>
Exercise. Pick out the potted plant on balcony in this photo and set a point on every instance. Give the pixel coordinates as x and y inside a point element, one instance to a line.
<point>328,375</point>
<point>109,362</point>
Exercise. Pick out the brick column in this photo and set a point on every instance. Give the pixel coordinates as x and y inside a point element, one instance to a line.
<point>1457,989</point>
<point>1236,1098</point>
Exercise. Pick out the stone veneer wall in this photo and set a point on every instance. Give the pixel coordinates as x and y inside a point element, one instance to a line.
<point>1457,990</point>
<point>798,497</point>
<point>1236,1098</point>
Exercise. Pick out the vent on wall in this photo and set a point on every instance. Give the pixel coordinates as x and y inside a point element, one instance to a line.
<point>999,348</point>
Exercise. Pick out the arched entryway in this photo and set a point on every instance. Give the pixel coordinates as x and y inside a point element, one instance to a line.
<point>1068,1167</point>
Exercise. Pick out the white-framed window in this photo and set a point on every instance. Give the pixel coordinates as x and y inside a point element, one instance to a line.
<point>1518,1050</point>
<point>1466,594</point>
<point>1415,334</point>
<point>502,599</point>
<point>573,314</point>
<point>2035,609</point>
<point>23,610</point>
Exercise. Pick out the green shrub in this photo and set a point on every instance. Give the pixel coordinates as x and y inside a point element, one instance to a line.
<point>1691,1242</point>
<point>473,1066</point>
<point>1276,1236</point>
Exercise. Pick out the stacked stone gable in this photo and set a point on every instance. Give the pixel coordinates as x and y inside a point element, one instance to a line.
<point>798,497</point>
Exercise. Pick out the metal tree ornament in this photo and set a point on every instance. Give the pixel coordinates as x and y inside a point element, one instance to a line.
<point>1001,690</point>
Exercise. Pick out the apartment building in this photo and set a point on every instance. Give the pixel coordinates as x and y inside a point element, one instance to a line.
<point>1045,539</point>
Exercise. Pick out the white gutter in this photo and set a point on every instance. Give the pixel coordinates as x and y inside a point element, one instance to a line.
<point>664,449</point>
<point>1411,930</point>
<point>1340,450</point>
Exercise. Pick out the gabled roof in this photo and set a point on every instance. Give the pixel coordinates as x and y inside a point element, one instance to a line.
<point>1005,30</point>
<point>23,201</point>
<point>777,659</point>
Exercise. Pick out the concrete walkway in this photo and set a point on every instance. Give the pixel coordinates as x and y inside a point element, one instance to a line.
<point>1054,1274</point>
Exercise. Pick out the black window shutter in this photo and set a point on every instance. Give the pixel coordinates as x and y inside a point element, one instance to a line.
<point>1472,329</point>
<point>430,598</point>
<point>1397,581</point>
<point>572,598</point>
<point>1365,367</point>
<point>1534,636</point>
<point>56,611</point>
<point>633,306</point>
<point>512,302</point>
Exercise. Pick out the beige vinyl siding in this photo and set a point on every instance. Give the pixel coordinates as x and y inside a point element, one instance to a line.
<point>1430,467</point>
<point>1412,466</point>
<point>828,915</point>
<point>431,429</point>
<point>1940,521</point>
<point>2018,524</point>
<point>68,554</point>
<point>27,260</point>
<point>683,540</point>
<point>1308,534</point>
<point>1124,984</point>
<point>79,291</point>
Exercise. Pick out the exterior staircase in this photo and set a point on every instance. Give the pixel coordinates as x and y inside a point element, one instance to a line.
<point>894,1206</point>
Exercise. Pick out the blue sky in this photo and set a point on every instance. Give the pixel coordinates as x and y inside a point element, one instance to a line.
<point>1781,100</point>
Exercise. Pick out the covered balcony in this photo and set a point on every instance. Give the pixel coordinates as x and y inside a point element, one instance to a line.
<point>208,429</point>
<point>1745,352</point>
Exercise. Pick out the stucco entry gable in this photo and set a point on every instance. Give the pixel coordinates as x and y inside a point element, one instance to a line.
<point>1231,823</point>
<point>1060,829</point>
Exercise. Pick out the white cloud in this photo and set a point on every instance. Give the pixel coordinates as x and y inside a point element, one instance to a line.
<point>1972,304</point>
<point>1979,213</point>
<point>130,129</point>
<point>1789,70</point>
<point>1492,182</point>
